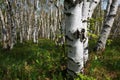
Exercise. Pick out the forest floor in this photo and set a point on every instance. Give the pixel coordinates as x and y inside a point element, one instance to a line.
<point>46,61</point>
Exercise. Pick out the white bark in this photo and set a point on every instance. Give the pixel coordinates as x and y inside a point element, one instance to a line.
<point>29,32</point>
<point>92,7</point>
<point>35,33</point>
<point>77,14</point>
<point>107,26</point>
<point>21,24</point>
<point>11,25</point>
<point>73,24</point>
<point>4,32</point>
<point>85,10</point>
<point>88,9</point>
<point>108,7</point>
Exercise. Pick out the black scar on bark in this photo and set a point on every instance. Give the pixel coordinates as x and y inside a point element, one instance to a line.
<point>84,21</point>
<point>68,38</point>
<point>74,61</point>
<point>112,15</point>
<point>77,34</point>
<point>72,78</point>
<point>82,34</point>
<point>9,6</point>
<point>106,26</point>
<point>67,14</point>
<point>86,48</point>
<point>95,2</point>
<point>72,3</point>
<point>71,59</point>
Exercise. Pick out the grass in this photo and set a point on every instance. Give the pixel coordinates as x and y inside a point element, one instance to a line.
<point>46,61</point>
<point>105,66</point>
<point>31,61</point>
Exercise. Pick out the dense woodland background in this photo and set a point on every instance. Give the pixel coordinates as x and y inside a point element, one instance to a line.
<point>32,42</point>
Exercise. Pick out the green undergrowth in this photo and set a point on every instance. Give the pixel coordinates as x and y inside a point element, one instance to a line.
<point>105,66</point>
<point>46,61</point>
<point>28,61</point>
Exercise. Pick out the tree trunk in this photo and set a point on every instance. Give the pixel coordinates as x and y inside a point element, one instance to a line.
<point>107,25</point>
<point>85,10</point>
<point>4,31</point>
<point>76,15</point>
<point>74,27</point>
<point>35,32</point>
<point>92,6</point>
<point>10,26</point>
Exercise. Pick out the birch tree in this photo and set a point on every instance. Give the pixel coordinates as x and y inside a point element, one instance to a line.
<point>85,14</point>
<point>3,30</point>
<point>8,30</point>
<point>35,32</point>
<point>76,14</point>
<point>115,32</point>
<point>110,16</point>
<point>11,24</point>
<point>29,20</point>
<point>73,23</point>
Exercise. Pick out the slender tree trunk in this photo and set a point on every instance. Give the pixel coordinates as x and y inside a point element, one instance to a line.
<point>10,25</point>
<point>35,32</point>
<point>29,27</point>
<point>21,23</point>
<point>4,31</point>
<point>85,10</point>
<point>108,7</point>
<point>107,25</point>
<point>92,6</point>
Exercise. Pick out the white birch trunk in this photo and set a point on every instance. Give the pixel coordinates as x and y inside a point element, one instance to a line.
<point>77,14</point>
<point>11,25</point>
<point>35,33</point>
<point>21,23</point>
<point>29,28</point>
<point>73,24</point>
<point>4,31</point>
<point>107,26</point>
<point>85,10</point>
<point>29,32</point>
<point>108,7</point>
<point>92,7</point>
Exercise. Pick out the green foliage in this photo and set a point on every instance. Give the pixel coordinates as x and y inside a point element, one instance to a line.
<point>1,2</point>
<point>105,66</point>
<point>83,77</point>
<point>46,61</point>
<point>30,61</point>
<point>92,22</point>
<point>93,25</point>
<point>93,35</point>
<point>109,41</point>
